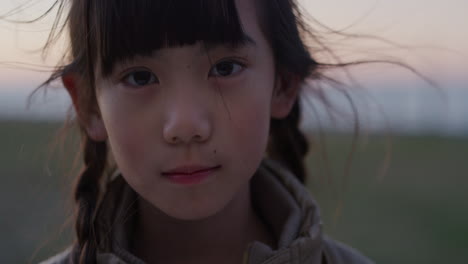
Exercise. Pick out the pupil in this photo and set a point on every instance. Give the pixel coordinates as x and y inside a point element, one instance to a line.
<point>142,77</point>
<point>225,68</point>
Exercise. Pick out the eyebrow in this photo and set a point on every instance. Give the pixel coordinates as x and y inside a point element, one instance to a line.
<point>246,40</point>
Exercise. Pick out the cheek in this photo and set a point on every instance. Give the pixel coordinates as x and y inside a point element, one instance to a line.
<point>127,134</point>
<point>126,142</point>
<point>250,109</point>
<point>249,124</point>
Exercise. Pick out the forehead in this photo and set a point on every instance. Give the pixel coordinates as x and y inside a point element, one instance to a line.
<point>124,29</point>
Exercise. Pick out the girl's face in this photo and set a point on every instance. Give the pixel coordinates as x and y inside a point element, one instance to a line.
<point>188,108</point>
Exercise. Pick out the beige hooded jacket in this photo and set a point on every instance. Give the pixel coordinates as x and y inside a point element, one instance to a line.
<point>283,202</point>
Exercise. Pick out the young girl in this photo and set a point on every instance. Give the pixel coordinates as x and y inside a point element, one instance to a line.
<point>179,104</point>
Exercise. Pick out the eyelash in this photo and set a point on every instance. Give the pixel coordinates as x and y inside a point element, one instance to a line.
<point>241,65</point>
<point>127,76</point>
<point>154,79</point>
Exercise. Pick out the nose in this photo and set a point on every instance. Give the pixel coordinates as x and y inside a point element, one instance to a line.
<point>187,123</point>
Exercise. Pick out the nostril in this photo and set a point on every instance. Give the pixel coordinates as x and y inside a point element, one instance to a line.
<point>181,130</point>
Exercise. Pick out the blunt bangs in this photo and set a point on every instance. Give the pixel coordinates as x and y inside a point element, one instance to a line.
<point>123,29</point>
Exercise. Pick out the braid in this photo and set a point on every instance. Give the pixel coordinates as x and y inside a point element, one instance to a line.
<point>86,196</point>
<point>288,144</point>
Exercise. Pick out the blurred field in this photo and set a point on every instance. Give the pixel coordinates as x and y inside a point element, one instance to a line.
<point>416,213</point>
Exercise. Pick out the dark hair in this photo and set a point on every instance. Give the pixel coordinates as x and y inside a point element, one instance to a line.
<point>105,32</point>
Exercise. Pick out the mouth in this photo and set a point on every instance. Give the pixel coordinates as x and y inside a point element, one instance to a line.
<point>191,174</point>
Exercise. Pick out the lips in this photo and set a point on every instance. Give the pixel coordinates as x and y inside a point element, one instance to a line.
<point>191,174</point>
<point>188,170</point>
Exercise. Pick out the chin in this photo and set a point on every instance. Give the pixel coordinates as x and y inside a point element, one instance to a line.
<point>195,212</point>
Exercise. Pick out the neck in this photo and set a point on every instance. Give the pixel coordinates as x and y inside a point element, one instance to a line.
<point>224,236</point>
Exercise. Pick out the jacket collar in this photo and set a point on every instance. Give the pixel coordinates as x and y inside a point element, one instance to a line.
<point>293,215</point>
<point>282,201</point>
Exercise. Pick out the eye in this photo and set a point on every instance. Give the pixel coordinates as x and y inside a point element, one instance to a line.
<point>140,78</point>
<point>226,68</point>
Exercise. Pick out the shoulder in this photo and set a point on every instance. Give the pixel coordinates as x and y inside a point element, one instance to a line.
<point>337,253</point>
<point>63,257</point>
